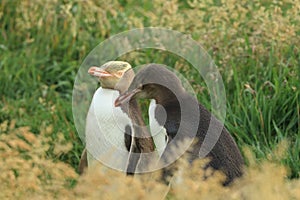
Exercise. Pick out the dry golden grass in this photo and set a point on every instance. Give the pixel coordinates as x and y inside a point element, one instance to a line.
<point>27,173</point>
<point>25,169</point>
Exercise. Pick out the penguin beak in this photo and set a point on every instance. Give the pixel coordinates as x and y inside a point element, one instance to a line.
<point>124,98</point>
<point>98,72</point>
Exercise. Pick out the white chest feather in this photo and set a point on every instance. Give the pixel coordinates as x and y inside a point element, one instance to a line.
<point>158,132</point>
<point>105,129</point>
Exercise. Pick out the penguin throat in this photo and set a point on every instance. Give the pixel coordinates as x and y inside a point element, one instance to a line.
<point>165,96</point>
<point>108,85</point>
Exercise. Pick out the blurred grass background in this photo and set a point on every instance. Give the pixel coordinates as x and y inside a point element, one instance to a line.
<point>255,44</point>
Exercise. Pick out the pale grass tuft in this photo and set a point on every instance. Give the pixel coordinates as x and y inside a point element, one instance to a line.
<point>29,137</point>
<point>102,182</point>
<point>31,175</point>
<point>61,145</point>
<point>4,126</point>
<point>25,170</point>
<point>281,150</point>
<point>189,181</point>
<point>12,124</point>
<point>19,144</point>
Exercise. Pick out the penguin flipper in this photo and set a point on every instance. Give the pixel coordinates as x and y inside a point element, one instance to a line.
<point>134,152</point>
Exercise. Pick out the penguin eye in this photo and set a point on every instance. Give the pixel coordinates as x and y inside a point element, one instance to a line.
<point>141,87</point>
<point>119,73</point>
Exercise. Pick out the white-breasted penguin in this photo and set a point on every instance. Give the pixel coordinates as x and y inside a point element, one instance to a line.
<point>110,131</point>
<point>159,83</point>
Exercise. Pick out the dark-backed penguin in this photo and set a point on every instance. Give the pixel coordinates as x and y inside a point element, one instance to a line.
<point>159,83</point>
<point>109,130</point>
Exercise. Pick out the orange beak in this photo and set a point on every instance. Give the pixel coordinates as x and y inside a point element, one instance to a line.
<point>98,72</point>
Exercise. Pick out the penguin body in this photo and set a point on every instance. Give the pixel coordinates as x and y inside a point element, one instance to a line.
<point>112,133</point>
<point>185,119</point>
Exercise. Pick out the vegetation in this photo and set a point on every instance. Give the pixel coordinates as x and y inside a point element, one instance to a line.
<point>43,43</point>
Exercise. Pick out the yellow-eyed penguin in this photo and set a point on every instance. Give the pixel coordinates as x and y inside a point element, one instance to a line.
<point>109,130</point>
<point>159,83</point>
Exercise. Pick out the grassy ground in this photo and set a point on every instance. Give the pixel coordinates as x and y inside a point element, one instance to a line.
<point>43,43</point>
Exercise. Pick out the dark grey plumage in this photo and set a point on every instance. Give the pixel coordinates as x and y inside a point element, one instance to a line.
<point>157,82</point>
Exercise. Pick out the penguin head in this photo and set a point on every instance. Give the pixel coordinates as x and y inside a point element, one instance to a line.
<point>152,82</point>
<point>110,73</point>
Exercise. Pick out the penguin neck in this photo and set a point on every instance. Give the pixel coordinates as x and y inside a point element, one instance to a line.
<point>109,89</point>
<point>104,98</point>
<point>103,87</point>
<point>167,98</point>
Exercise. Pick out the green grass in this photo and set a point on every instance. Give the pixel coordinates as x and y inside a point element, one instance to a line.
<point>42,45</point>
